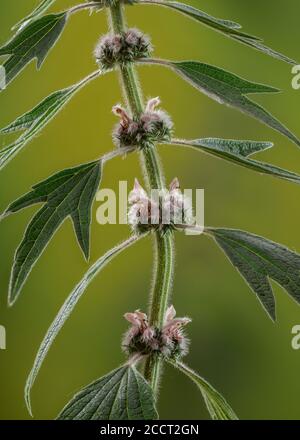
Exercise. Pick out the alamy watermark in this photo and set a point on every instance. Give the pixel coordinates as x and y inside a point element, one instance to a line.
<point>2,77</point>
<point>296,78</point>
<point>2,338</point>
<point>158,209</point>
<point>295,342</point>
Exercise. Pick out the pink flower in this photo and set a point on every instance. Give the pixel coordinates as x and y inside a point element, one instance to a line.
<point>164,208</point>
<point>133,36</point>
<point>122,48</point>
<point>137,319</point>
<point>123,115</point>
<point>152,126</point>
<point>142,338</point>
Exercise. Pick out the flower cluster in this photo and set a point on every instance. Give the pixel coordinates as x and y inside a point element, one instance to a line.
<point>165,210</point>
<point>170,341</point>
<point>122,48</point>
<point>153,126</point>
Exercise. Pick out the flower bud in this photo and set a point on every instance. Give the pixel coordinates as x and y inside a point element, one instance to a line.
<point>169,342</point>
<point>153,126</point>
<point>169,209</point>
<point>122,48</point>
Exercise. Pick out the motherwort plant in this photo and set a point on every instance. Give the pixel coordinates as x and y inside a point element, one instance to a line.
<point>158,337</point>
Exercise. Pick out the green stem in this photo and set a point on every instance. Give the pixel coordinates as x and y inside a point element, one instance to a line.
<point>164,249</point>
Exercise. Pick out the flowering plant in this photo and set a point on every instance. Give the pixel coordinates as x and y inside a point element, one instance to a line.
<point>131,391</point>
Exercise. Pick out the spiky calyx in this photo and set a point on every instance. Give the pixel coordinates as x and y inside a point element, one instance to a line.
<point>123,48</point>
<point>153,126</point>
<point>170,342</point>
<point>165,210</point>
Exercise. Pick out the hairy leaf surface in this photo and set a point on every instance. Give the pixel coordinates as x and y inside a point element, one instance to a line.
<point>33,41</point>
<point>217,406</point>
<point>69,193</point>
<point>123,394</point>
<point>227,88</point>
<point>238,152</point>
<point>37,118</point>
<point>258,260</point>
<point>67,308</point>
<point>226,27</point>
<point>36,13</point>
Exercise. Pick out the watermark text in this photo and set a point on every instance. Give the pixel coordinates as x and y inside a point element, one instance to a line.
<point>296,78</point>
<point>2,338</point>
<point>2,78</point>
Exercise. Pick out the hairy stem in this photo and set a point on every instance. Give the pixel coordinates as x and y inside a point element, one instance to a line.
<point>164,249</point>
<point>164,261</point>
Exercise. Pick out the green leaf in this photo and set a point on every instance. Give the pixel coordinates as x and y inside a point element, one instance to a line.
<point>123,394</point>
<point>227,88</point>
<point>34,41</point>
<point>258,260</point>
<point>210,75</point>
<point>238,152</point>
<point>52,102</point>
<point>258,45</point>
<point>228,28</point>
<point>36,13</point>
<point>68,308</point>
<point>217,406</point>
<point>37,118</point>
<point>69,193</point>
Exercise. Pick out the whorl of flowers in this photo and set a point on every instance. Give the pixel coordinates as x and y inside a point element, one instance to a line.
<point>153,126</point>
<point>165,210</point>
<point>169,342</point>
<point>122,48</point>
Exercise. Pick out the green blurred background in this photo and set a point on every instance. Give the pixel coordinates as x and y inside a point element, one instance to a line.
<point>234,344</point>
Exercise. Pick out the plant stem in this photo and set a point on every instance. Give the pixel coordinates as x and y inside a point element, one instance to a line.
<point>164,249</point>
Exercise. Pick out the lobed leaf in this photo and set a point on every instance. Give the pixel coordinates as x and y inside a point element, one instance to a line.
<point>226,27</point>
<point>37,118</point>
<point>123,394</point>
<point>69,193</point>
<point>67,309</point>
<point>238,152</point>
<point>227,88</point>
<point>258,260</point>
<point>217,406</point>
<point>33,41</point>
<point>36,13</point>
